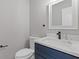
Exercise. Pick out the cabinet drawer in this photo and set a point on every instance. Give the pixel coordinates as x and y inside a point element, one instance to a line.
<point>43,50</point>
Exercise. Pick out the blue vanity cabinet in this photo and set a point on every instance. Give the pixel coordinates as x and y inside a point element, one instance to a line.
<point>43,52</point>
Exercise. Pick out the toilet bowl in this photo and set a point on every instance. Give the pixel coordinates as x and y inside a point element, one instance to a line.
<point>24,54</point>
<point>27,53</point>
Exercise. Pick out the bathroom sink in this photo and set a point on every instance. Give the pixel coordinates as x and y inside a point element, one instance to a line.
<point>66,42</point>
<point>72,44</point>
<point>56,42</point>
<point>69,44</point>
<point>75,45</point>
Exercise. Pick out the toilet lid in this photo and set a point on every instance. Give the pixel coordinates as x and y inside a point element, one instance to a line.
<point>24,52</point>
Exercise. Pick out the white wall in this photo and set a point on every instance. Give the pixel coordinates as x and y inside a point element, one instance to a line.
<point>39,16</point>
<point>14,26</point>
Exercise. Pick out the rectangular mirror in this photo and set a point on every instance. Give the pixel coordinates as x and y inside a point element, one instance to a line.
<point>63,14</point>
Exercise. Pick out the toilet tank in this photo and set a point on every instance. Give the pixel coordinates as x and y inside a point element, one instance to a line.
<point>32,41</point>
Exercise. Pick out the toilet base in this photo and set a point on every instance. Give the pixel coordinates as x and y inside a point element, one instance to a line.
<point>31,57</point>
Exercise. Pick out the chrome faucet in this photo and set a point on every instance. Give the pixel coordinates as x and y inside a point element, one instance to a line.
<point>59,35</point>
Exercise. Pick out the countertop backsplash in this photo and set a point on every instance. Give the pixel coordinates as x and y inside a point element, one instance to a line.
<point>65,36</point>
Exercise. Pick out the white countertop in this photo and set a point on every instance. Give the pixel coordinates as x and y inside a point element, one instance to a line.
<point>70,47</point>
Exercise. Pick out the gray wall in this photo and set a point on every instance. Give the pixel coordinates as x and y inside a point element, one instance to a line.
<point>14,26</point>
<point>39,16</point>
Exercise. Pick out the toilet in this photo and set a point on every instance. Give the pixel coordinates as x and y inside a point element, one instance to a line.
<point>27,53</point>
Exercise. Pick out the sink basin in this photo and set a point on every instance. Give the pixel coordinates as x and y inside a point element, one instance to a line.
<point>72,44</point>
<point>65,44</point>
<point>75,45</point>
<point>57,42</point>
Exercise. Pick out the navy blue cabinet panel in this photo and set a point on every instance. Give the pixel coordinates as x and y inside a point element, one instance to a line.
<point>45,56</point>
<point>37,56</point>
<point>50,53</point>
<point>44,52</point>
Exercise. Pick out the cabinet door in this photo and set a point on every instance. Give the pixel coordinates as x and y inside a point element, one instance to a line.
<point>37,56</point>
<point>44,50</point>
<point>45,53</point>
<point>44,56</point>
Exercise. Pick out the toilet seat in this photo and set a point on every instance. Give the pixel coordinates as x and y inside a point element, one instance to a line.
<point>24,53</point>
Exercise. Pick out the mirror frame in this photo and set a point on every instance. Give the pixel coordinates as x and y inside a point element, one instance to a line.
<point>74,14</point>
